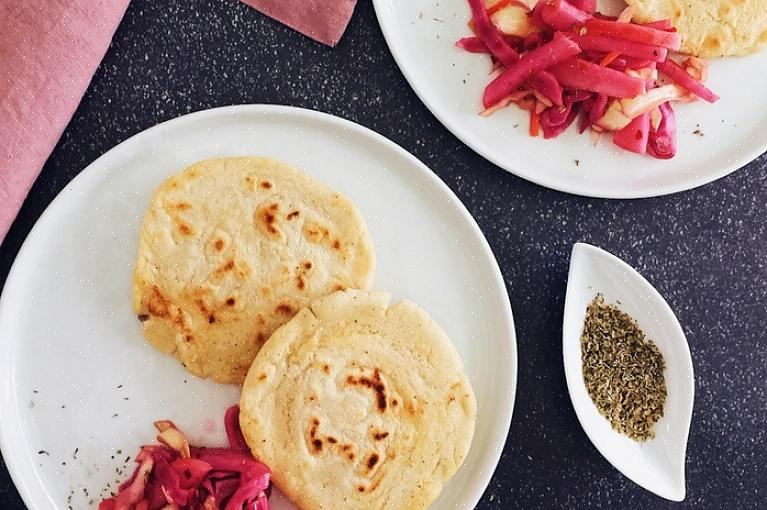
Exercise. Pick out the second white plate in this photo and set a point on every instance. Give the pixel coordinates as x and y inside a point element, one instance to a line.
<point>713,139</point>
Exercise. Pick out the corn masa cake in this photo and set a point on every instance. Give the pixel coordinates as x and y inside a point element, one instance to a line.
<point>232,248</point>
<point>357,404</point>
<point>711,28</point>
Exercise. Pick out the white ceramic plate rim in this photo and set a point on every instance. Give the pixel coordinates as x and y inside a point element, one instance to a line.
<point>27,482</point>
<point>586,189</point>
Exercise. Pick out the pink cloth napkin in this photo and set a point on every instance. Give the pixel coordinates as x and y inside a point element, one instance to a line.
<point>49,50</point>
<point>322,20</point>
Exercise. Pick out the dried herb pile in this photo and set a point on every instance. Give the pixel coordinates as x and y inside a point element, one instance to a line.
<point>623,370</point>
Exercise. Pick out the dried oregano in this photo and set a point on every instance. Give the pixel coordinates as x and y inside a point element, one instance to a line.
<point>623,370</point>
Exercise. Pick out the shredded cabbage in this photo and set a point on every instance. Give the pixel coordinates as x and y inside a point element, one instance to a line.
<point>174,475</point>
<point>560,59</point>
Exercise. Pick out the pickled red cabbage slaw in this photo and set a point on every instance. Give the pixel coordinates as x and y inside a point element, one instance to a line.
<point>561,60</point>
<point>173,475</point>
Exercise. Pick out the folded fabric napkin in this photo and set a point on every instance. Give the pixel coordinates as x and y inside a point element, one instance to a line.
<point>322,20</point>
<point>49,50</point>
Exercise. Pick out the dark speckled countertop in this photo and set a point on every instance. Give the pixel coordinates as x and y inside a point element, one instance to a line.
<point>705,250</point>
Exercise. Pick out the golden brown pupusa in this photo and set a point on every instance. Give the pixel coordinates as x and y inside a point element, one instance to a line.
<point>711,28</point>
<point>358,404</point>
<point>232,248</point>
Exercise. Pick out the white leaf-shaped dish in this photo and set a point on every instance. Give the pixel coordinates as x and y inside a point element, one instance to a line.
<point>658,464</point>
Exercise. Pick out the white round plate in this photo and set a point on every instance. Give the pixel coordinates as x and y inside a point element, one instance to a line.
<point>75,372</point>
<point>713,139</point>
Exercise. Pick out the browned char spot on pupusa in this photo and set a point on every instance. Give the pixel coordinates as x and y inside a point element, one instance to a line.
<point>200,304</point>
<point>266,185</point>
<point>225,268</point>
<point>315,233</point>
<point>292,215</point>
<point>179,321</point>
<point>379,435</point>
<point>184,228</point>
<point>373,486</point>
<point>285,309</point>
<point>314,438</point>
<point>375,384</point>
<point>376,482</point>
<point>348,450</point>
<point>372,460</point>
<point>265,219</point>
<point>157,303</point>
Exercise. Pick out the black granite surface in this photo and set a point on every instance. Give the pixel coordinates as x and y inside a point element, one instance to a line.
<point>705,250</point>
